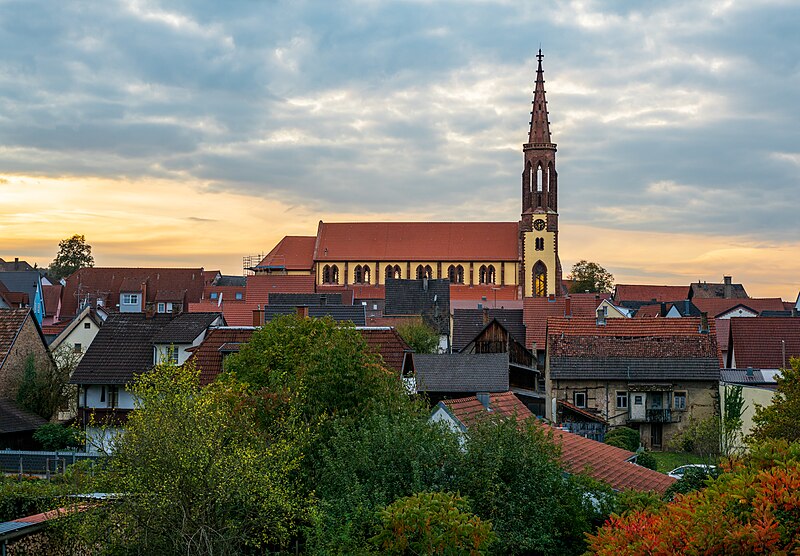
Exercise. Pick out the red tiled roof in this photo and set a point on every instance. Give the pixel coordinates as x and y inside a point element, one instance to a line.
<point>228,292</point>
<point>52,298</point>
<point>388,344</point>
<point>54,329</point>
<point>649,311</point>
<point>759,342</point>
<point>261,285</point>
<point>723,332</point>
<point>207,356</point>
<point>578,454</point>
<point>109,282</point>
<point>238,314</point>
<point>583,412</point>
<point>473,304</point>
<point>477,293</point>
<point>292,253</point>
<point>536,311</point>
<point>11,321</point>
<point>651,328</point>
<point>205,306</point>
<point>417,241</point>
<point>716,306</point>
<point>640,292</point>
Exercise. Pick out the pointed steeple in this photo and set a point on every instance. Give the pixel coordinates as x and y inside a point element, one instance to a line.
<point>540,126</point>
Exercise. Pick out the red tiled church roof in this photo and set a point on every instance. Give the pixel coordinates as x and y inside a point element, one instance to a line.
<point>417,241</point>
<point>760,342</point>
<point>292,253</point>
<point>605,463</point>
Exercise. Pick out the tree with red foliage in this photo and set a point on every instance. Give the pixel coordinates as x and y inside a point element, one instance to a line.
<point>754,507</point>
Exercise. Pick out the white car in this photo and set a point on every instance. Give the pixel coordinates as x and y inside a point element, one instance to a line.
<point>678,472</point>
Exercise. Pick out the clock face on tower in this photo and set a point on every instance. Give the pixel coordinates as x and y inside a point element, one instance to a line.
<point>539,224</point>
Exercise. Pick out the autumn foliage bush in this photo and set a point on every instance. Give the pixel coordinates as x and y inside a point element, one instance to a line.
<point>752,508</point>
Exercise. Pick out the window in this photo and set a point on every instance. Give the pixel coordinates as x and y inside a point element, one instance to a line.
<point>482,275</point>
<point>638,399</point>
<point>358,277</point>
<point>113,396</point>
<point>539,280</point>
<point>77,348</point>
<point>622,400</point>
<point>87,325</point>
<point>102,394</point>
<point>455,274</point>
<point>213,295</point>
<point>130,298</point>
<point>330,274</point>
<point>162,308</point>
<point>679,400</point>
<point>366,274</point>
<point>540,244</point>
<point>239,295</point>
<point>579,399</point>
<point>173,356</point>
<point>490,274</point>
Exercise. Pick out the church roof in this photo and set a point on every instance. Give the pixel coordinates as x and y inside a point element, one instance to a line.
<point>417,241</point>
<point>291,253</point>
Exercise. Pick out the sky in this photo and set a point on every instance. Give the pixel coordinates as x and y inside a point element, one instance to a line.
<point>194,133</point>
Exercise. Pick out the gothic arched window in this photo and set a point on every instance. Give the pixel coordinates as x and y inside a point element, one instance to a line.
<point>482,275</point>
<point>540,244</point>
<point>420,272</point>
<point>365,276</point>
<point>357,275</point>
<point>428,272</point>
<point>539,280</point>
<point>326,274</point>
<point>455,274</point>
<point>539,178</point>
<point>334,274</point>
<point>490,274</point>
<point>397,273</point>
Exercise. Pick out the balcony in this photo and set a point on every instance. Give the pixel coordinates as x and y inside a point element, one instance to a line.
<point>659,415</point>
<point>102,415</point>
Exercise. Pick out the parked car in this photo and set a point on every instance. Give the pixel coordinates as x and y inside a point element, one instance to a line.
<point>678,472</point>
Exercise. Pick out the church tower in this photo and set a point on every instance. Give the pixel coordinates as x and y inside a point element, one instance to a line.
<point>540,272</point>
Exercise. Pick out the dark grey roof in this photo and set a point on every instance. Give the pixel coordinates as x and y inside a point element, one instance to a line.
<point>12,266</point>
<point>16,419</point>
<point>704,289</point>
<point>23,281</point>
<point>428,298</point>
<point>461,372</point>
<point>184,328</point>
<point>634,368</point>
<point>122,348</point>
<point>224,280</point>
<point>741,376</point>
<point>309,299</point>
<point>468,323</point>
<point>339,313</point>
<point>775,314</point>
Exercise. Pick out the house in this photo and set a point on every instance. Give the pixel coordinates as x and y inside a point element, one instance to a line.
<point>648,374</point>
<point>454,375</point>
<point>608,464</point>
<point>632,296</point>
<point>763,342</point>
<point>220,342</point>
<point>758,388</point>
<point>15,266</point>
<point>428,298</point>
<point>395,353</point>
<point>162,290</point>
<point>126,345</point>
<point>580,421</point>
<point>502,331</point>
<point>21,338</point>
<point>721,308</point>
<point>79,333</point>
<point>726,290</point>
<point>27,285</point>
<point>536,311</point>
<point>17,427</point>
<point>227,288</point>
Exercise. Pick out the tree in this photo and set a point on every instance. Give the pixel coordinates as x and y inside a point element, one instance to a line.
<point>752,508</point>
<point>53,436</point>
<point>419,336</point>
<point>623,437</point>
<point>782,418</point>
<point>205,470</point>
<point>590,277</point>
<point>73,253</point>
<point>44,387</point>
<point>511,474</point>
<point>432,523</point>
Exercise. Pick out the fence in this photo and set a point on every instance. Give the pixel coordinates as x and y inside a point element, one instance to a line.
<point>25,462</point>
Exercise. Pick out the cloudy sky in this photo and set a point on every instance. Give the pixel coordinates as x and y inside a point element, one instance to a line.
<point>193,133</point>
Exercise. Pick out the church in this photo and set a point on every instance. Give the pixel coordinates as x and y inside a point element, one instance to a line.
<point>504,260</point>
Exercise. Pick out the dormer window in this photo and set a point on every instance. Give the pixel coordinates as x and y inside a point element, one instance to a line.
<point>213,295</point>
<point>130,298</point>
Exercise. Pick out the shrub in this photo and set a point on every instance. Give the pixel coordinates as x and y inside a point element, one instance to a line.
<point>623,437</point>
<point>432,523</point>
<point>647,459</point>
<point>53,436</point>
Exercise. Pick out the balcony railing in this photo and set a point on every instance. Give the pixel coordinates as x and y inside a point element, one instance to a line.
<point>659,416</point>
<point>102,415</point>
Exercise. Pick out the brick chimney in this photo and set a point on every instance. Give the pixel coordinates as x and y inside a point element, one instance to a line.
<point>485,316</point>
<point>601,316</point>
<point>728,288</point>
<point>704,323</point>
<point>567,306</point>
<point>258,316</point>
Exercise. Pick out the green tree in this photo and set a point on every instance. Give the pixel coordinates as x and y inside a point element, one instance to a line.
<point>421,337</point>
<point>44,385</point>
<point>205,470</point>
<point>623,437</point>
<point>53,436</point>
<point>73,253</point>
<point>432,523</point>
<point>511,474</point>
<point>781,420</point>
<point>701,437</point>
<point>590,277</point>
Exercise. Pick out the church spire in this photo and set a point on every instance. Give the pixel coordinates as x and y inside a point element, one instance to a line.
<point>540,126</point>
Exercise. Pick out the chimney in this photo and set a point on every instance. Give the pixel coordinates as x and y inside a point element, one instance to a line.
<point>302,311</point>
<point>425,283</point>
<point>704,323</point>
<point>323,300</point>
<point>663,310</point>
<point>601,316</point>
<point>485,316</point>
<point>16,263</point>
<point>258,316</point>
<point>483,397</point>
<point>567,306</point>
<point>783,352</point>
<point>728,287</point>
<point>686,312</point>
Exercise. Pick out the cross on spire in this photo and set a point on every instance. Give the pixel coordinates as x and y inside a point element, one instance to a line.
<point>540,126</point>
